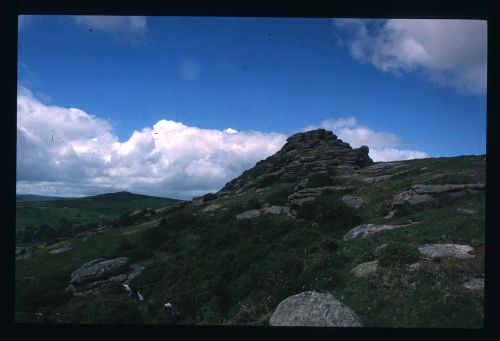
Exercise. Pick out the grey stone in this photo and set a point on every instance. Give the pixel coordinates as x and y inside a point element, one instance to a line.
<point>466,211</point>
<point>475,284</point>
<point>250,214</point>
<point>383,177</point>
<point>172,208</point>
<point>414,266</point>
<point>302,155</point>
<point>363,269</point>
<point>352,201</point>
<point>314,309</point>
<point>211,208</point>
<point>275,210</point>
<point>365,230</point>
<point>380,248</point>
<point>99,269</point>
<point>446,250</point>
<point>423,193</point>
<point>61,247</point>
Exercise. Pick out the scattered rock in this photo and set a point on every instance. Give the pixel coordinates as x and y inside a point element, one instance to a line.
<point>92,276</point>
<point>422,193</point>
<point>390,214</point>
<point>135,213</point>
<point>475,284</point>
<point>248,214</point>
<point>275,210</point>
<point>446,250</point>
<point>414,266</point>
<point>211,208</point>
<point>265,210</point>
<point>309,194</point>
<point>61,247</point>
<point>351,201</point>
<point>364,269</point>
<point>303,154</point>
<point>466,211</point>
<point>365,230</point>
<point>380,248</point>
<point>314,309</point>
<point>383,177</point>
<point>173,208</point>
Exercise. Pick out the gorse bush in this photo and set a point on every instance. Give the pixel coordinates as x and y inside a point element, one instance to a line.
<point>398,253</point>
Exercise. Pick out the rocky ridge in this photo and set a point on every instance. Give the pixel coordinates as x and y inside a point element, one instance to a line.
<point>303,154</point>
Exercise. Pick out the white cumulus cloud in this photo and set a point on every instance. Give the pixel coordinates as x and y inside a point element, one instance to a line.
<point>65,150</point>
<point>382,144</point>
<point>448,52</point>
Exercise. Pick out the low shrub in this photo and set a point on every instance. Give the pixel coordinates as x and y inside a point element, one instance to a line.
<point>279,197</point>
<point>397,253</point>
<point>319,180</point>
<point>209,197</point>
<point>109,309</point>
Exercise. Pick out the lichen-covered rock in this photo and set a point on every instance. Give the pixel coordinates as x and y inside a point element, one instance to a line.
<point>423,193</point>
<point>466,211</point>
<point>365,230</point>
<point>309,194</point>
<point>211,208</point>
<point>352,201</point>
<point>61,247</point>
<point>173,208</point>
<point>313,309</point>
<point>364,269</point>
<point>304,153</point>
<point>446,250</point>
<point>99,269</point>
<point>250,214</point>
<point>475,284</point>
<point>93,276</point>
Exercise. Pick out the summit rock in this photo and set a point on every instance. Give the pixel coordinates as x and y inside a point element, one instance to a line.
<point>303,154</point>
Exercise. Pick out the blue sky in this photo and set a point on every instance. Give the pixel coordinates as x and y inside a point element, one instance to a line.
<point>410,89</point>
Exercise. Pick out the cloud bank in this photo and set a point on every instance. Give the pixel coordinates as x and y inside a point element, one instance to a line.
<point>451,53</point>
<point>382,144</point>
<point>65,151</point>
<point>68,152</point>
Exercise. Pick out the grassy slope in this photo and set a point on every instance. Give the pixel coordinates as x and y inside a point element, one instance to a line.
<point>214,269</point>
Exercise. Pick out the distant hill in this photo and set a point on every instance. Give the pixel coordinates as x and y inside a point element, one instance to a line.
<point>84,210</point>
<point>34,197</point>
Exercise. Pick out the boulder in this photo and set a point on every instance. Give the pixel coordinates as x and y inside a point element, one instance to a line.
<point>172,208</point>
<point>352,201</point>
<point>474,284</point>
<point>61,247</point>
<point>313,309</point>
<point>363,269</point>
<point>422,193</point>
<point>211,208</point>
<point>303,154</point>
<point>93,276</point>
<point>446,250</point>
<point>466,211</point>
<point>365,230</point>
<point>250,214</point>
